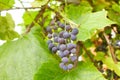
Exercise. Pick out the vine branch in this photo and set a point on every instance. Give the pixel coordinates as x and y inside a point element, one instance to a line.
<point>111,48</point>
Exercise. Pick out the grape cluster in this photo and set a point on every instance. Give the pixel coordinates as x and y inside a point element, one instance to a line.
<point>61,40</point>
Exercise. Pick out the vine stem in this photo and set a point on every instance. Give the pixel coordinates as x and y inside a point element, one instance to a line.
<point>40,13</point>
<point>111,48</point>
<point>86,51</point>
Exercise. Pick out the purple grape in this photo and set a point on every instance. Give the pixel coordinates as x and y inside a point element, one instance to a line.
<point>61,65</point>
<point>65,59</point>
<point>73,37</point>
<point>66,35</point>
<point>49,41</point>
<point>62,47</point>
<point>54,49</point>
<point>73,58</point>
<point>49,36</point>
<point>56,39</point>
<point>55,34</point>
<point>51,45</point>
<point>66,52</point>
<point>70,46</point>
<point>61,34</point>
<point>61,54</point>
<point>64,67</point>
<point>48,29</point>
<point>73,50</point>
<point>58,22</point>
<point>70,66</point>
<point>75,31</point>
<point>62,25</point>
<point>68,27</point>
<point>61,40</point>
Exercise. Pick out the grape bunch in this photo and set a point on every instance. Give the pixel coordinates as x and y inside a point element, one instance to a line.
<point>61,41</point>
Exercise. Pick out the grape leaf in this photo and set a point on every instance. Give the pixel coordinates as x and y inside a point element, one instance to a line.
<point>7,28</point>
<point>83,71</point>
<point>20,59</point>
<point>89,23</point>
<point>109,62</point>
<point>74,12</point>
<point>29,17</point>
<point>6,4</point>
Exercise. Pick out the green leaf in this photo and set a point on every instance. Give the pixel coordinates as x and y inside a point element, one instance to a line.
<point>109,62</point>
<point>20,59</point>
<point>74,12</point>
<point>6,4</point>
<point>83,71</point>
<point>29,17</point>
<point>7,28</point>
<point>89,23</point>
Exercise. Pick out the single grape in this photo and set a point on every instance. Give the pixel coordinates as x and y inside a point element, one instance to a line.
<point>66,52</point>
<point>61,25</point>
<point>62,47</point>
<point>58,22</point>
<point>70,66</point>
<point>60,53</point>
<point>68,27</point>
<point>56,39</point>
<point>51,45</point>
<point>55,34</point>
<point>65,59</point>
<point>49,30</point>
<point>73,58</point>
<point>75,31</point>
<point>54,49</point>
<point>63,66</point>
<point>70,46</point>
<point>49,36</point>
<point>66,35</point>
<point>73,50</point>
<point>73,37</point>
<point>49,41</point>
<point>61,40</point>
<point>61,34</point>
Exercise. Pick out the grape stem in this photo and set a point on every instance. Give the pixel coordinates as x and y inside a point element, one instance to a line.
<point>111,48</point>
<point>86,51</point>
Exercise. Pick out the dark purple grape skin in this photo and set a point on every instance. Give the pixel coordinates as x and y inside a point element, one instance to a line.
<point>73,58</point>
<point>54,49</point>
<point>68,27</point>
<point>49,36</point>
<point>70,66</point>
<point>51,45</point>
<point>73,50</point>
<point>49,30</point>
<point>66,35</point>
<point>56,39</point>
<point>49,41</point>
<point>65,59</point>
<point>66,52</point>
<point>61,34</point>
<point>61,25</point>
<point>55,34</point>
<point>65,67</point>
<point>74,31</point>
<point>61,40</point>
<point>73,37</point>
<point>71,46</point>
<point>62,47</point>
<point>61,54</point>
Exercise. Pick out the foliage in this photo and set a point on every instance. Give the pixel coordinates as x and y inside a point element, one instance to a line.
<point>26,56</point>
